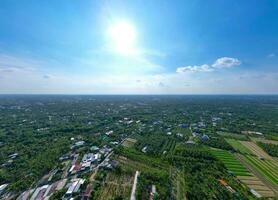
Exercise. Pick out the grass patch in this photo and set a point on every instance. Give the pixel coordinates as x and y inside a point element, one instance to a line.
<point>238,146</point>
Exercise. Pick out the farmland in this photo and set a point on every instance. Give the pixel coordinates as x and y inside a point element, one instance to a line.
<point>181,146</point>
<point>238,146</point>
<point>264,140</point>
<point>256,184</point>
<point>231,163</point>
<point>129,142</point>
<point>268,168</point>
<point>256,150</point>
<point>115,184</point>
<point>232,135</point>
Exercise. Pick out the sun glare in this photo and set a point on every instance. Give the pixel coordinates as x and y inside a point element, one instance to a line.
<point>123,36</point>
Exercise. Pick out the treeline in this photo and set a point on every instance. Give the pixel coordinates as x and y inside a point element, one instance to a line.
<point>271,149</point>
<point>219,143</point>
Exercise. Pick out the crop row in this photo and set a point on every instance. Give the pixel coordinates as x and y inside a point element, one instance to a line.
<point>231,163</point>
<point>265,167</point>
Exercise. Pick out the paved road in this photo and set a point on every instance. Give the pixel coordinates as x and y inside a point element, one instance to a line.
<point>132,197</point>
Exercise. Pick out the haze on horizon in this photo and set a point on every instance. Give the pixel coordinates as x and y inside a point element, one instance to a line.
<point>138,47</point>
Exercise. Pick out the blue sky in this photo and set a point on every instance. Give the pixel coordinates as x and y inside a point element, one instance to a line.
<point>180,47</point>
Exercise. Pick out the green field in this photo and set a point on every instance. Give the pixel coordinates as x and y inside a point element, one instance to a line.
<point>232,135</point>
<point>231,163</point>
<point>238,146</point>
<point>268,168</point>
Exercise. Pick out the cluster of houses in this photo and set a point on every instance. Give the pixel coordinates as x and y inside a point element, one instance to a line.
<point>90,159</point>
<point>43,192</point>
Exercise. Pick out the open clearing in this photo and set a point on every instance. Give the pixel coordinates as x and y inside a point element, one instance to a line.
<point>268,168</point>
<point>256,184</point>
<point>116,185</point>
<point>264,140</point>
<point>129,142</point>
<point>256,150</point>
<point>231,163</point>
<point>238,146</point>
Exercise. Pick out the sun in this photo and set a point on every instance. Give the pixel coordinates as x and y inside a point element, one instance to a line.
<point>123,37</point>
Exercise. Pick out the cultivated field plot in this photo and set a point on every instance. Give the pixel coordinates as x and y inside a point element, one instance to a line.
<point>256,184</point>
<point>116,185</point>
<point>256,150</point>
<point>232,135</point>
<point>136,166</point>
<point>238,146</point>
<point>129,142</point>
<point>268,168</point>
<point>231,163</point>
<point>264,140</point>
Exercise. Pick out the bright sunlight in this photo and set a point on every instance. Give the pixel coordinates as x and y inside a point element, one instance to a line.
<point>123,36</point>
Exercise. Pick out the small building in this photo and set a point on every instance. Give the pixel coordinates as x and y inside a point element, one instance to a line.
<point>79,143</point>
<point>94,148</point>
<point>184,125</point>
<point>3,187</point>
<point>205,138</point>
<point>74,187</point>
<point>13,156</point>
<point>144,150</point>
<point>189,142</point>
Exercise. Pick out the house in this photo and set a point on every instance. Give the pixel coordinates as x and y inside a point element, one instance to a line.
<point>194,134</point>
<point>224,183</point>
<point>114,143</point>
<point>87,161</point>
<point>39,192</point>
<point>189,142</point>
<point>3,187</point>
<point>79,143</point>
<point>13,156</point>
<point>144,150</point>
<point>184,125</point>
<point>179,135</point>
<point>74,186</point>
<point>205,138</point>
<point>94,148</point>
<point>109,133</point>
<point>64,158</point>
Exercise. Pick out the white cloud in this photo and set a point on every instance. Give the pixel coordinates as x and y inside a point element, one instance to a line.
<point>226,62</point>
<point>271,55</point>
<point>195,68</point>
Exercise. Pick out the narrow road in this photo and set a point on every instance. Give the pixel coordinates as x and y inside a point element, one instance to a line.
<point>132,197</point>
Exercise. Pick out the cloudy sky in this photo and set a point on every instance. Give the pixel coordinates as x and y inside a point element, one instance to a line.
<point>139,47</point>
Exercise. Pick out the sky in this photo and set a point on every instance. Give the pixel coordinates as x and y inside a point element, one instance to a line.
<point>139,47</point>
